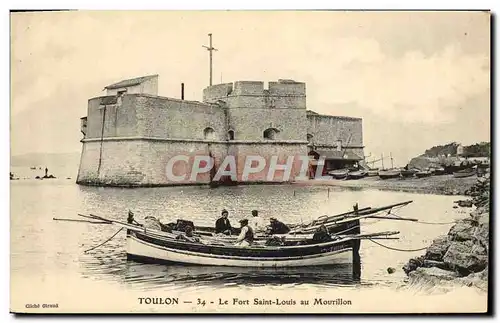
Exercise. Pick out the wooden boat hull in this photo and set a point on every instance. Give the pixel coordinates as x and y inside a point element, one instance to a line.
<point>439,171</point>
<point>407,173</point>
<point>356,175</point>
<point>339,174</point>
<point>161,250</point>
<point>389,174</point>
<point>463,174</point>
<point>423,174</point>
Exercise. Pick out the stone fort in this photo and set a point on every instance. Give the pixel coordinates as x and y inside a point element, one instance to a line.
<point>131,133</point>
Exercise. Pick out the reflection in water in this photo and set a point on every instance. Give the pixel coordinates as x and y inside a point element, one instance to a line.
<point>146,276</point>
<point>108,263</point>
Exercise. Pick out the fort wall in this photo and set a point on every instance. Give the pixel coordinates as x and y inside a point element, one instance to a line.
<point>327,130</point>
<point>170,118</point>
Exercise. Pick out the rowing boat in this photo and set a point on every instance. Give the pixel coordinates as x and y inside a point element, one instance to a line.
<point>464,173</point>
<point>298,248</point>
<point>356,174</point>
<point>423,173</point>
<point>408,172</point>
<point>339,173</point>
<point>439,171</point>
<point>390,173</point>
<point>148,247</point>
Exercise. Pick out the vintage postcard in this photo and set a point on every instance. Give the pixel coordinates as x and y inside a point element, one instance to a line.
<point>250,162</point>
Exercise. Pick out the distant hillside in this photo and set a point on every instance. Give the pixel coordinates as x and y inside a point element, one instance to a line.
<point>442,150</point>
<point>482,149</point>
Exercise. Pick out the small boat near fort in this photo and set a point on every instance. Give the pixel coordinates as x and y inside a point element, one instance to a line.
<point>408,172</point>
<point>423,173</point>
<point>339,173</point>
<point>372,172</point>
<point>439,171</point>
<point>464,173</point>
<point>295,249</point>
<point>389,173</point>
<point>356,174</point>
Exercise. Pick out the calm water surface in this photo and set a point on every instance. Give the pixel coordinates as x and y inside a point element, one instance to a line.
<point>41,246</point>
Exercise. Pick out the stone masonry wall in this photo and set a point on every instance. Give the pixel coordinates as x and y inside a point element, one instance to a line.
<point>142,162</point>
<point>281,151</point>
<point>326,130</point>
<point>119,121</point>
<point>251,109</point>
<point>171,118</point>
<point>250,123</point>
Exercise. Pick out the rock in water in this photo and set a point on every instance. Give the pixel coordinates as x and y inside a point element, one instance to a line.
<point>482,233</point>
<point>438,248</point>
<point>433,263</point>
<point>391,270</point>
<point>466,257</point>
<point>413,264</point>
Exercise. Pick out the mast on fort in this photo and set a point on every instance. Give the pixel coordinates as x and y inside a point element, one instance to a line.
<point>210,48</point>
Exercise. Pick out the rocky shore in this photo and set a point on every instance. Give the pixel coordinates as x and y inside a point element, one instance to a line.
<point>461,256</point>
<point>442,185</point>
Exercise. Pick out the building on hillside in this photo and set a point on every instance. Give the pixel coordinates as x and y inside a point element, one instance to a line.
<point>131,135</point>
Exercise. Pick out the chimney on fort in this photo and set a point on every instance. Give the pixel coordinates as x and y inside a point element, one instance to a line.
<point>182,91</point>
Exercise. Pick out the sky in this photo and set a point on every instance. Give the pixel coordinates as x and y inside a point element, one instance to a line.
<point>417,79</point>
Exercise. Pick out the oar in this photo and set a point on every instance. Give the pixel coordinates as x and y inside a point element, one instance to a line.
<point>94,218</point>
<point>325,219</point>
<point>383,208</point>
<point>375,235</point>
<point>392,218</point>
<point>78,220</point>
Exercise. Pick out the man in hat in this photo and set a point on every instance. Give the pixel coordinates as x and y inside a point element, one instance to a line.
<point>222,225</point>
<point>277,227</point>
<point>245,238</point>
<point>256,222</point>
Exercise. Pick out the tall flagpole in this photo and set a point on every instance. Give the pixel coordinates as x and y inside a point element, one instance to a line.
<point>210,48</point>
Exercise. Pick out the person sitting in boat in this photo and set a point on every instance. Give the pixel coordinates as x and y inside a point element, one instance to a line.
<point>245,238</point>
<point>222,225</point>
<point>131,220</point>
<point>277,227</point>
<point>321,235</point>
<point>256,222</point>
<point>188,235</point>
